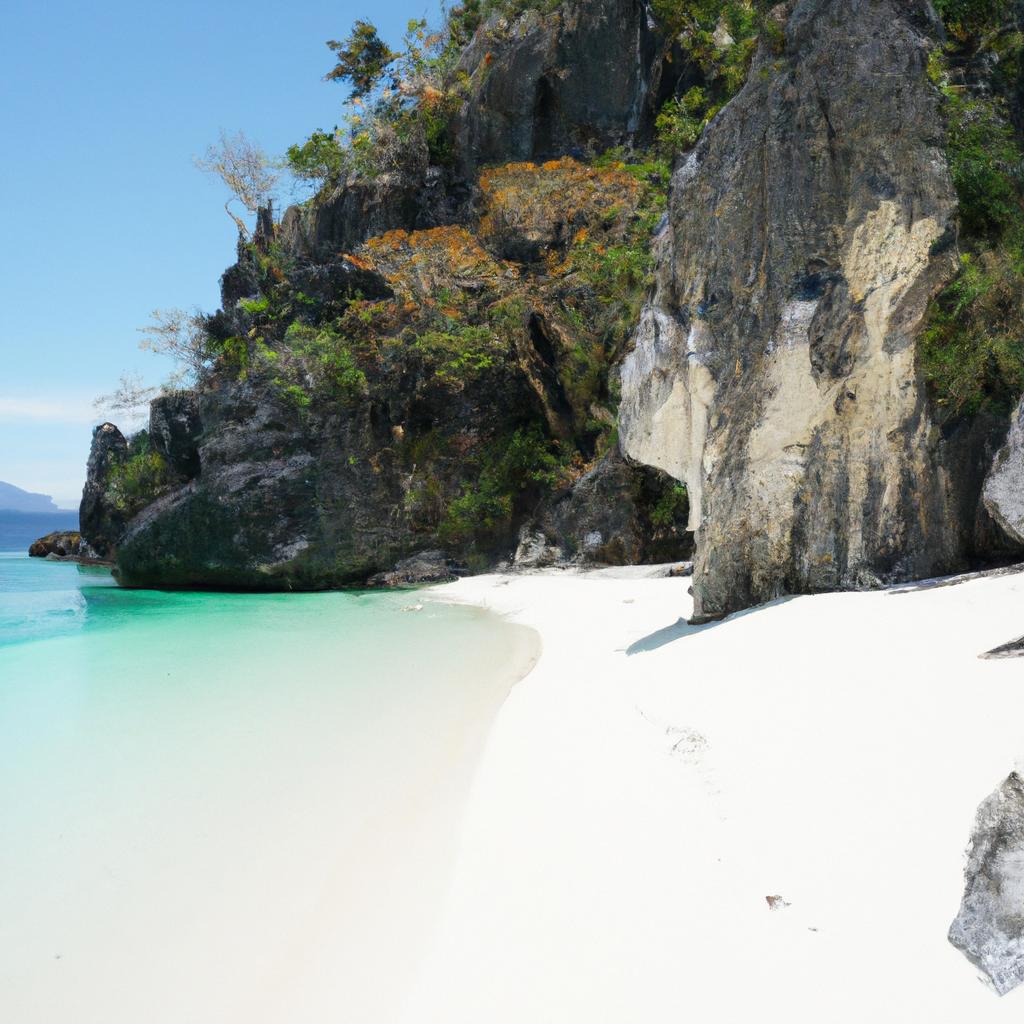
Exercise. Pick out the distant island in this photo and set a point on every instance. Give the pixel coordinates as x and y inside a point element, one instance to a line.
<point>14,499</point>
<point>24,516</point>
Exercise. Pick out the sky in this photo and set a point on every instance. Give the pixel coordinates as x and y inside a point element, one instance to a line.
<point>103,108</point>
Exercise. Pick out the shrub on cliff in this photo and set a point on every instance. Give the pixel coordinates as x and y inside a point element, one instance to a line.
<point>972,348</point>
<point>720,37</point>
<point>137,479</point>
<point>509,472</point>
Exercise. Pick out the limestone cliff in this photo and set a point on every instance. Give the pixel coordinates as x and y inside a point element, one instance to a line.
<point>775,368</point>
<point>536,339</point>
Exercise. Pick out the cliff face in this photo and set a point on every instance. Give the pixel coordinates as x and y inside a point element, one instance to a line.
<point>587,76</point>
<point>448,388</point>
<point>431,359</point>
<point>774,369</point>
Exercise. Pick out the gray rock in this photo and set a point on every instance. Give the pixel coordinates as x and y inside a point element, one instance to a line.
<point>774,369</point>
<point>535,549</point>
<point>1004,485</point>
<point>174,431</point>
<point>101,523</point>
<point>609,517</point>
<point>586,76</point>
<point>989,930</point>
<point>1013,649</point>
<point>423,567</point>
<point>60,544</point>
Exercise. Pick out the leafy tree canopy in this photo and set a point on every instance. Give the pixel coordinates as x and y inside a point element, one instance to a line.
<point>363,58</point>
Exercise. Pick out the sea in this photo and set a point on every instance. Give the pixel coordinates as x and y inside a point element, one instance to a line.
<point>230,807</point>
<point>19,529</point>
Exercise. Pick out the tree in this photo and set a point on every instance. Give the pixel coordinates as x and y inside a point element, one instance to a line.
<point>320,158</point>
<point>362,59</point>
<point>129,397</point>
<point>180,335</point>
<point>246,171</point>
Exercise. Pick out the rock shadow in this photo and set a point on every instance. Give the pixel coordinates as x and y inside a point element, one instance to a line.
<point>682,628</point>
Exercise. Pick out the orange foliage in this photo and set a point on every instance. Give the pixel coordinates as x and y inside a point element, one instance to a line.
<point>418,263</point>
<point>531,198</point>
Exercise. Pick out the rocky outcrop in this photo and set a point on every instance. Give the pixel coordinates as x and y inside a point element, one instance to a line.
<point>989,929</point>
<point>615,514</point>
<point>1004,485</point>
<point>438,407</point>
<point>423,567</point>
<point>577,80</point>
<point>774,369</point>
<point>101,522</point>
<point>1012,649</point>
<point>175,429</point>
<point>585,77</point>
<point>61,543</point>
<point>419,360</point>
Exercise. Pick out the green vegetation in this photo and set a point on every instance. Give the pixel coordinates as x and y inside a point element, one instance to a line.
<point>671,507</point>
<point>399,112</point>
<point>363,59</point>
<point>321,158</point>
<point>966,18</point>
<point>681,121</point>
<point>506,471</point>
<point>972,349</point>
<point>458,354</point>
<point>139,478</point>
<point>324,358</point>
<point>720,37</point>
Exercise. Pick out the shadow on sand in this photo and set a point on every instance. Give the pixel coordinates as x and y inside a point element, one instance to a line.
<point>680,629</point>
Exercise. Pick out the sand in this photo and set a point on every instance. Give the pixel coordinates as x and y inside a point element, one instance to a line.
<point>649,785</point>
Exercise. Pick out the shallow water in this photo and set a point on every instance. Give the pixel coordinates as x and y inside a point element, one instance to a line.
<point>220,807</point>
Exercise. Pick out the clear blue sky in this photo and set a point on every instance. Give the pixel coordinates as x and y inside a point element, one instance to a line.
<point>104,106</point>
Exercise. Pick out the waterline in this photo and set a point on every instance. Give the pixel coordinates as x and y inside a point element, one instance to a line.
<point>221,807</point>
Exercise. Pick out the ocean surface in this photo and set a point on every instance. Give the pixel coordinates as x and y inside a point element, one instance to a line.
<point>227,807</point>
<point>19,529</point>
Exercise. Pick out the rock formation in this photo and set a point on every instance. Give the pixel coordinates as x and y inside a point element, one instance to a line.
<point>774,369</point>
<point>59,544</point>
<point>989,929</point>
<point>429,358</point>
<point>100,521</point>
<point>1004,485</point>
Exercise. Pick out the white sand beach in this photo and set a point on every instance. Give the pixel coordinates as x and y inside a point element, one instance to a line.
<point>649,785</point>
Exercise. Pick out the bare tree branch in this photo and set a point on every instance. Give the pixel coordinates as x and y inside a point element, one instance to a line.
<point>245,169</point>
<point>180,335</point>
<point>130,397</point>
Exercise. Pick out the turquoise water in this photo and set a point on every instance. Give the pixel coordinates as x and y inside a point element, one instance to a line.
<point>229,807</point>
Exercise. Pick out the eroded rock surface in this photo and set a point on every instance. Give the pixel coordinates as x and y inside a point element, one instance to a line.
<point>1004,486</point>
<point>1013,649</point>
<point>61,543</point>
<point>423,567</point>
<point>774,369</point>
<point>100,521</point>
<point>989,930</point>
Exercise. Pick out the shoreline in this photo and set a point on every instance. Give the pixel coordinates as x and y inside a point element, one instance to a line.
<point>229,808</point>
<point>764,817</point>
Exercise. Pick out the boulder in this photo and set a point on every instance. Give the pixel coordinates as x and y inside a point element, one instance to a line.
<point>423,567</point>
<point>62,543</point>
<point>1012,649</point>
<point>989,929</point>
<point>535,549</point>
<point>1004,486</point>
<point>619,513</point>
